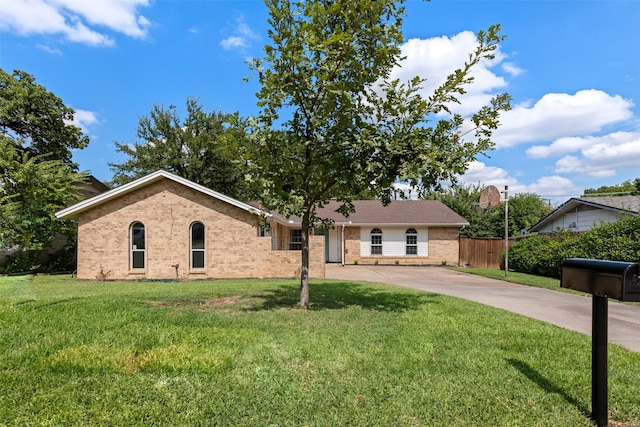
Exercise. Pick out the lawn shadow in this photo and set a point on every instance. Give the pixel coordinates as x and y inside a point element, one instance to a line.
<point>545,384</point>
<point>51,303</point>
<point>340,295</point>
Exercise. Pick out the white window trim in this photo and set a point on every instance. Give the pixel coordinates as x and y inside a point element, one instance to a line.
<point>378,232</point>
<point>410,232</point>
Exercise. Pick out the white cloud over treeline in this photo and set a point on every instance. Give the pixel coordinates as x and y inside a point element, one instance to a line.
<point>579,132</point>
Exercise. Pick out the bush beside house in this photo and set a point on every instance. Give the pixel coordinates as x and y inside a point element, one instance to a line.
<point>543,254</point>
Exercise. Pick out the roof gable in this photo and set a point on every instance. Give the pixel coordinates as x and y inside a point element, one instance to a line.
<point>621,204</point>
<point>73,211</point>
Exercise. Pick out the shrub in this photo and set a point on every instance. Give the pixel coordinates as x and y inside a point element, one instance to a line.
<point>20,262</point>
<point>543,255</point>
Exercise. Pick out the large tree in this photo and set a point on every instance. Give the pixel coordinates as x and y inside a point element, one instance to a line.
<point>202,148</point>
<point>32,189</point>
<point>464,200</point>
<point>36,119</point>
<point>525,209</point>
<point>332,124</point>
<point>37,175</point>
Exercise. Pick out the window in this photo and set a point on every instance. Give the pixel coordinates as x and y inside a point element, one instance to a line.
<point>264,231</point>
<point>197,245</point>
<point>295,240</point>
<point>412,241</point>
<point>376,241</point>
<point>138,245</point>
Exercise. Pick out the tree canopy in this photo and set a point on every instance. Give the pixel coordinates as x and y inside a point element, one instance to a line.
<point>204,148</point>
<point>37,175</point>
<point>525,209</point>
<point>333,125</point>
<point>36,119</point>
<point>626,188</point>
<point>32,189</point>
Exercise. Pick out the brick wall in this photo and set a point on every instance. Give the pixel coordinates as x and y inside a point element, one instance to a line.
<point>167,210</point>
<point>443,247</point>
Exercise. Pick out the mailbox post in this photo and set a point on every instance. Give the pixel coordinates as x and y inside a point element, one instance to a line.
<point>602,279</point>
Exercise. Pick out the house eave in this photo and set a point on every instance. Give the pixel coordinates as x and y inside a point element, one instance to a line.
<point>292,223</point>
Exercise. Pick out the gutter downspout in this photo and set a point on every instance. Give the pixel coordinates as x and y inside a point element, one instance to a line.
<point>342,244</point>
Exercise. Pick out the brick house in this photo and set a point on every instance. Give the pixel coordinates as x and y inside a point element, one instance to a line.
<point>406,232</point>
<point>162,226</point>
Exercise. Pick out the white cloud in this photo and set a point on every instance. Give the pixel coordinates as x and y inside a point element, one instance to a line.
<point>438,57</point>
<point>76,20</point>
<point>234,42</point>
<point>83,119</point>
<point>604,157</point>
<point>512,69</point>
<point>558,115</point>
<point>479,172</point>
<point>49,49</point>
<point>563,146</point>
<point>241,36</point>
<point>554,185</point>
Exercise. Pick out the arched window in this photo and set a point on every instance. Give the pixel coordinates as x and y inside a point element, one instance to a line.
<point>197,245</point>
<point>138,245</point>
<point>376,241</point>
<point>412,241</point>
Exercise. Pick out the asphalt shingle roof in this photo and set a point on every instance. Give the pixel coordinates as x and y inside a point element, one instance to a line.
<point>425,212</point>
<point>625,203</point>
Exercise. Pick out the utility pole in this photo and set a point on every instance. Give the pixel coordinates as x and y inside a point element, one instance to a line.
<point>506,230</point>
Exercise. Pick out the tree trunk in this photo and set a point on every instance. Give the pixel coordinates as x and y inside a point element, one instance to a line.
<point>304,269</point>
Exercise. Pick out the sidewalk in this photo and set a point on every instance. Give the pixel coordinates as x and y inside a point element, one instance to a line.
<point>566,310</point>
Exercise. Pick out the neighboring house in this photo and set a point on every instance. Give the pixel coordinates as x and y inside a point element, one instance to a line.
<point>582,213</point>
<point>92,187</point>
<point>162,226</point>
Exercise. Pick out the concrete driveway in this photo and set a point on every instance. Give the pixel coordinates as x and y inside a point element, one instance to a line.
<point>569,311</point>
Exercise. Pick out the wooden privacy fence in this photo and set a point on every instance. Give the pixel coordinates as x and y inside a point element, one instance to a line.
<point>482,252</point>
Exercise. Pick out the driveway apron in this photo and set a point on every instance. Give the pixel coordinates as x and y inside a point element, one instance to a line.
<point>570,311</point>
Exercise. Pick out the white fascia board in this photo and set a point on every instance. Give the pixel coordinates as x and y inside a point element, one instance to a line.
<point>404,224</point>
<point>148,179</point>
<point>384,224</point>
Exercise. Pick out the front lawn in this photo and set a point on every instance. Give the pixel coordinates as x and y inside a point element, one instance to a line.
<point>520,278</point>
<point>238,353</point>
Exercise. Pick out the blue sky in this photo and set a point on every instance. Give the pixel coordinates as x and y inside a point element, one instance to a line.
<point>572,68</point>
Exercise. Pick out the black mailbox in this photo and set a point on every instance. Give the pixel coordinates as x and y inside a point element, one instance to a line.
<point>611,279</point>
<point>604,280</point>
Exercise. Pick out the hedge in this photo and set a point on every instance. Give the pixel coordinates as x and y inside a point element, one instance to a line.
<point>543,255</point>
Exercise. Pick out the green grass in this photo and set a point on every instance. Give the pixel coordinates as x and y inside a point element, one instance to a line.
<point>515,277</point>
<point>238,353</point>
<point>524,279</point>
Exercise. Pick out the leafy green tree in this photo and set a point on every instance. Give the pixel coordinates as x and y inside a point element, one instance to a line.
<point>464,200</point>
<point>525,210</point>
<point>202,148</point>
<point>32,189</point>
<point>37,175</point>
<point>332,125</point>
<point>36,119</point>
<point>626,188</point>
